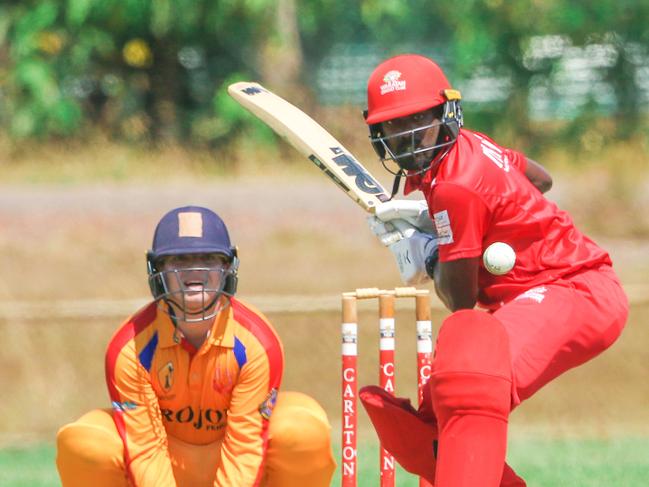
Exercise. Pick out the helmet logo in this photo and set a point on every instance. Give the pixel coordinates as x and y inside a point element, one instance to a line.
<point>190,224</point>
<point>392,82</point>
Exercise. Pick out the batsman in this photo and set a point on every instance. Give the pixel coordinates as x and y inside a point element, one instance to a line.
<point>507,335</point>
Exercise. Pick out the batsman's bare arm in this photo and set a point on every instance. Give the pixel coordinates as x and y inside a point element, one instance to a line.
<point>456,283</point>
<point>538,176</point>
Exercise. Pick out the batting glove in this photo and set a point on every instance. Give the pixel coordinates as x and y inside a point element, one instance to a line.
<point>414,212</point>
<point>415,252</point>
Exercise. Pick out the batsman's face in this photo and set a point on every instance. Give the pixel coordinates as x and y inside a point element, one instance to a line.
<point>413,135</point>
<point>194,280</point>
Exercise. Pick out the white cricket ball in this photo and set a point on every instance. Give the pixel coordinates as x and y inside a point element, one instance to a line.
<point>499,258</point>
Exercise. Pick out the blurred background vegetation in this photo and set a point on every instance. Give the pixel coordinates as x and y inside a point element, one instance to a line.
<point>116,90</point>
<point>156,70</point>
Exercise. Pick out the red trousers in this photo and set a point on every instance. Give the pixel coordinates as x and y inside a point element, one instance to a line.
<point>558,326</point>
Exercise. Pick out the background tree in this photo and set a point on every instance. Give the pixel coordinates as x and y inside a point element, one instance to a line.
<point>156,70</point>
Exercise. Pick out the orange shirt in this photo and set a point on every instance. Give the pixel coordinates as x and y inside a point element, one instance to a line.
<point>160,385</point>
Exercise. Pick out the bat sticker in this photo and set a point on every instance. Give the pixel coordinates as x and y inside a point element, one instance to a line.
<point>252,90</point>
<point>363,180</point>
<point>326,170</point>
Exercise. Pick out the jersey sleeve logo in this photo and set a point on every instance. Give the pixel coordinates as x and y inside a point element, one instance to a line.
<point>443,227</point>
<point>267,406</point>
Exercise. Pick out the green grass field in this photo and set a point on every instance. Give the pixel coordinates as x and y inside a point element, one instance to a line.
<point>550,463</point>
<point>543,463</point>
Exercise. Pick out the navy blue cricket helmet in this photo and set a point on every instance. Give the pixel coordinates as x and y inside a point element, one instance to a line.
<point>190,230</point>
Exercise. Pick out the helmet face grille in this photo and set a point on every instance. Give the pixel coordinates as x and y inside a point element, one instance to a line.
<point>193,293</point>
<point>404,149</point>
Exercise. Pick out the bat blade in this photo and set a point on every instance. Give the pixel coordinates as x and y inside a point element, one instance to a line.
<point>313,141</point>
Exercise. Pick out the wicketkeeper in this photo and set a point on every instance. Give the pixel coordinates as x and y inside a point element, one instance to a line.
<point>194,379</point>
<point>560,306</point>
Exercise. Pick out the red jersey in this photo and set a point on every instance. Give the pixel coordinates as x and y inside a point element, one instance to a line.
<point>478,195</point>
<point>225,391</point>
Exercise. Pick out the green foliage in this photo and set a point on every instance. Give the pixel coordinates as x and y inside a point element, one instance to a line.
<point>229,118</point>
<point>136,69</point>
<point>151,69</point>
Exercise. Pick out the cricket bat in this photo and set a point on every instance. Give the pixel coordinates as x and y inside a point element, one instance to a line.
<point>312,140</point>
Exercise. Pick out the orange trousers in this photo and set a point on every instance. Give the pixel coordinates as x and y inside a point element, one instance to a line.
<point>90,451</point>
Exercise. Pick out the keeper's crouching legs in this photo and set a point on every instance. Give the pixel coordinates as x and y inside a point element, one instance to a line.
<point>90,451</point>
<point>471,393</point>
<point>299,450</point>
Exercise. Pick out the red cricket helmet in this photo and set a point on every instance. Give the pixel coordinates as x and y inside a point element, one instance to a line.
<point>402,86</point>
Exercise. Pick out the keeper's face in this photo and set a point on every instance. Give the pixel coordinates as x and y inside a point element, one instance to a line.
<point>194,281</point>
